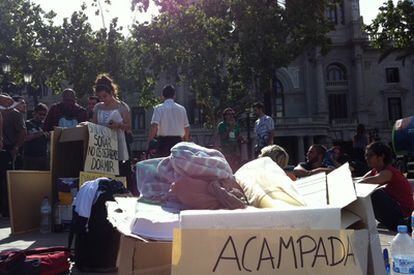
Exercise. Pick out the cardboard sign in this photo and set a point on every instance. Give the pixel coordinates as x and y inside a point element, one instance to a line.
<point>102,152</point>
<point>87,176</point>
<point>279,251</point>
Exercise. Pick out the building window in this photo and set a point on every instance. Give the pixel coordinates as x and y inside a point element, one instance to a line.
<point>336,72</point>
<point>393,75</point>
<point>338,107</point>
<point>138,118</point>
<point>279,102</point>
<point>394,108</point>
<point>332,14</point>
<point>334,10</point>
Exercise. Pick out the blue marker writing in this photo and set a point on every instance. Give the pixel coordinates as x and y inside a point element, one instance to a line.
<point>386,261</point>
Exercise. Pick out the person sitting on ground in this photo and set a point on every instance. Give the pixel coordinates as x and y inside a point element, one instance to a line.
<point>393,201</point>
<point>314,164</point>
<point>279,155</point>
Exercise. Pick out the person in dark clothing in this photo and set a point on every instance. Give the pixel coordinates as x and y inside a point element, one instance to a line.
<point>65,114</point>
<point>35,146</point>
<point>92,101</point>
<point>314,164</point>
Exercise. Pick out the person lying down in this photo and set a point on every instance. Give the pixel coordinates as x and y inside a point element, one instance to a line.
<point>266,185</point>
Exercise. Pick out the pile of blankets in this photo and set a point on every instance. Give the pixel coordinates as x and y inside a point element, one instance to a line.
<point>192,177</point>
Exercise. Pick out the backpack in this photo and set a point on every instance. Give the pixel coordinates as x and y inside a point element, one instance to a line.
<point>96,240</point>
<point>41,261</point>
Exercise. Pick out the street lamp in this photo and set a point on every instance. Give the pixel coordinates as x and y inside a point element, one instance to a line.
<point>6,68</point>
<point>27,75</point>
<point>5,64</point>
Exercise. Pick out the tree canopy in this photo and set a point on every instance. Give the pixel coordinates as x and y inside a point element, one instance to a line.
<point>70,53</point>
<point>393,29</point>
<point>224,52</point>
<point>227,52</point>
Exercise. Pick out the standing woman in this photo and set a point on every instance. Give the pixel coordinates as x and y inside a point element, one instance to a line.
<point>115,114</point>
<point>393,201</point>
<point>230,138</point>
<point>359,142</point>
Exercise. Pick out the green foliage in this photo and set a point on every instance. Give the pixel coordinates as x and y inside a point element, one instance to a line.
<point>71,54</point>
<point>222,50</point>
<point>393,29</point>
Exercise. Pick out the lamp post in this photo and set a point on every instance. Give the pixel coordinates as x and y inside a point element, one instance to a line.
<point>6,68</point>
<point>27,77</point>
<point>248,116</point>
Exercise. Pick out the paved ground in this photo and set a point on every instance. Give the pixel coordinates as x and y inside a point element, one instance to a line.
<point>36,239</point>
<point>33,240</point>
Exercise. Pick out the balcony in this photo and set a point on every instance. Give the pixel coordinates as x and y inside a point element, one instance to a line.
<point>337,84</point>
<point>300,121</point>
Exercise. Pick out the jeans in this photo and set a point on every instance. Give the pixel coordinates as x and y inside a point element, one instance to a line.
<point>387,210</point>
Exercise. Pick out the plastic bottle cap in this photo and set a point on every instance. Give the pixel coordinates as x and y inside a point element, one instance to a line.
<point>402,229</point>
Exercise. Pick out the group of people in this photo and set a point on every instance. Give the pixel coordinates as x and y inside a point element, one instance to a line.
<point>23,143</point>
<point>392,202</point>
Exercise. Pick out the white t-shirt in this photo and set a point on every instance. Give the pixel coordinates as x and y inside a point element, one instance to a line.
<point>171,118</point>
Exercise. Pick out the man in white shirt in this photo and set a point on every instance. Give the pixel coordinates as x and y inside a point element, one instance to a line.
<point>169,123</point>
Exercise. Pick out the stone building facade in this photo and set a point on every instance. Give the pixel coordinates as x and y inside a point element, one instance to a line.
<point>321,99</point>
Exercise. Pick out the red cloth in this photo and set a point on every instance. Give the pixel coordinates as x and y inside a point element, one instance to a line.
<point>399,189</point>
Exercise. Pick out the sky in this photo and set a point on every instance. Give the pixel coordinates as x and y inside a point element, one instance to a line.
<point>121,9</point>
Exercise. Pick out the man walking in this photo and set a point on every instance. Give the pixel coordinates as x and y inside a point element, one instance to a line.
<point>169,123</point>
<point>264,128</point>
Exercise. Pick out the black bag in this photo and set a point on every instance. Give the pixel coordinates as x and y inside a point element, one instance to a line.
<point>96,240</point>
<point>12,262</point>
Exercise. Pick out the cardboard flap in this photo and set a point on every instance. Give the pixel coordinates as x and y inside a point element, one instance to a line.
<point>348,218</point>
<point>297,217</point>
<point>79,133</point>
<point>313,190</point>
<point>341,190</point>
<point>364,189</point>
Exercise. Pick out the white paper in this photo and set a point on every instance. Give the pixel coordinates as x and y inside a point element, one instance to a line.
<point>313,190</point>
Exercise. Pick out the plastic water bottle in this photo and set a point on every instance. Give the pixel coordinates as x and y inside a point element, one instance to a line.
<point>46,216</point>
<point>402,251</point>
<point>412,224</point>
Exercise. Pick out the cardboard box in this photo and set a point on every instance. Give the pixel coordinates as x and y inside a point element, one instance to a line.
<point>79,149</point>
<point>26,190</point>
<point>136,256</point>
<point>336,210</point>
<point>356,221</point>
<point>339,238</point>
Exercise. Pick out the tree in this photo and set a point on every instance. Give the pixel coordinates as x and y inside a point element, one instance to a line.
<point>393,29</point>
<point>222,50</point>
<point>68,54</point>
